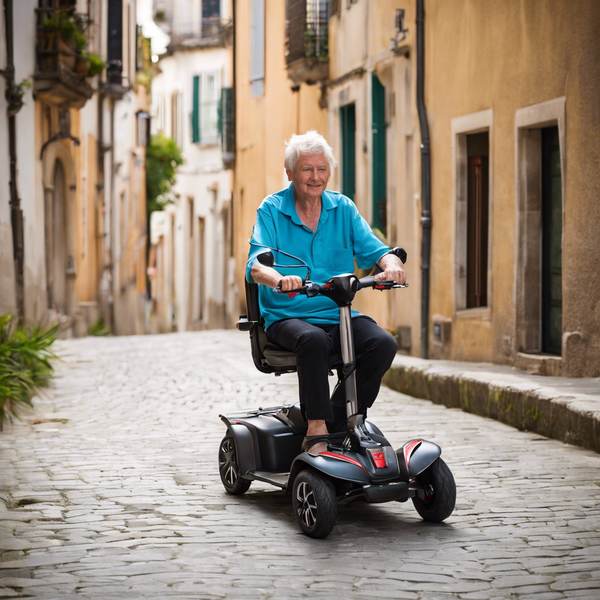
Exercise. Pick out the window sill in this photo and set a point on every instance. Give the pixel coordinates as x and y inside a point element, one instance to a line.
<point>483,313</point>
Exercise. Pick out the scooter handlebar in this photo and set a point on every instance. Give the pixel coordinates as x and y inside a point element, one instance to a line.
<point>311,289</point>
<point>369,281</point>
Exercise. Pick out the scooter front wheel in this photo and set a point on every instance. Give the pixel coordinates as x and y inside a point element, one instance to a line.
<point>439,488</point>
<point>229,468</point>
<point>315,503</point>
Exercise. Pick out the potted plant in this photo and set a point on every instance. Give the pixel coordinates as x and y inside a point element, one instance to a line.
<point>14,95</point>
<point>97,65</point>
<point>67,29</point>
<point>82,61</point>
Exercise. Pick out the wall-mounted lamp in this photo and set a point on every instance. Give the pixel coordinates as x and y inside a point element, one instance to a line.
<point>401,33</point>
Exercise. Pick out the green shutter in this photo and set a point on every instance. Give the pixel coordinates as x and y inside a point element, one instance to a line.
<point>196,111</point>
<point>348,121</point>
<point>379,156</point>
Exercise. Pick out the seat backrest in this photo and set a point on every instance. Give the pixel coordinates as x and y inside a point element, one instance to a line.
<point>267,356</point>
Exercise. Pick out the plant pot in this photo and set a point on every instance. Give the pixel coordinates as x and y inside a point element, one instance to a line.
<point>66,54</point>
<point>82,65</point>
<point>14,106</point>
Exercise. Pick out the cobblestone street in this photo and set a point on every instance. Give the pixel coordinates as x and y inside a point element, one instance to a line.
<point>110,490</point>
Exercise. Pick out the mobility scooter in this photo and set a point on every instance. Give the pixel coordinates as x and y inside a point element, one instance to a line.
<point>265,444</point>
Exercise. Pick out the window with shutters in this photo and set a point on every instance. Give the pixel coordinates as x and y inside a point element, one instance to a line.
<point>206,95</point>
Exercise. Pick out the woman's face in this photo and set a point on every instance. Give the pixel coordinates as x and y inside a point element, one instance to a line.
<point>310,176</point>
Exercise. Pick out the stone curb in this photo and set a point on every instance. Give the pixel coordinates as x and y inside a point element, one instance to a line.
<point>503,394</point>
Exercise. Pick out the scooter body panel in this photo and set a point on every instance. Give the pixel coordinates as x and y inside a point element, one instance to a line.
<point>415,456</point>
<point>332,464</point>
<point>266,442</point>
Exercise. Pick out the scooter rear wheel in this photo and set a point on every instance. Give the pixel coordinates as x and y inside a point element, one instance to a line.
<point>229,468</point>
<point>440,492</point>
<point>315,503</point>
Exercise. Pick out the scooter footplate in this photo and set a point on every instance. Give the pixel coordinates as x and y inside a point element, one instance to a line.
<point>278,479</point>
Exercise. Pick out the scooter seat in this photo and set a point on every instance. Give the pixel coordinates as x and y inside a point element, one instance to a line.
<point>279,357</point>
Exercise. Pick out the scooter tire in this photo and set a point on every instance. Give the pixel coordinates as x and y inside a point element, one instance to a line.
<point>438,482</point>
<point>229,468</point>
<point>315,503</point>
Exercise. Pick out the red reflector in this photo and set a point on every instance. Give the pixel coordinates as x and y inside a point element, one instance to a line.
<point>379,458</point>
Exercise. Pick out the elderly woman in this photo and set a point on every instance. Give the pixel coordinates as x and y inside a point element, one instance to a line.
<point>326,231</point>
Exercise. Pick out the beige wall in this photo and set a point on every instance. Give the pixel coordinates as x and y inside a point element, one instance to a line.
<point>506,56</point>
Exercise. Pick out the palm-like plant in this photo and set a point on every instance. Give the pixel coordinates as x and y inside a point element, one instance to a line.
<point>25,365</point>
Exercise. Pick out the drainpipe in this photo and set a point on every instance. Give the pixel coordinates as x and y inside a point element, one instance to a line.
<point>16,213</point>
<point>425,181</point>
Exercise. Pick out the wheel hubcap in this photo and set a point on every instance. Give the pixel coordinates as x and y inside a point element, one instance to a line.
<point>228,463</point>
<point>307,506</point>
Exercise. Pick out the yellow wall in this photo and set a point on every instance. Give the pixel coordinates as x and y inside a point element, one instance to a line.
<point>264,123</point>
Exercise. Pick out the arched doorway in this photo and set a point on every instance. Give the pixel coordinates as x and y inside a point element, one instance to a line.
<point>56,241</point>
<point>58,176</point>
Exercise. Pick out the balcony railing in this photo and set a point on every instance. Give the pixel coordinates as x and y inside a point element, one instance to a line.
<point>307,53</point>
<point>62,68</point>
<point>212,31</point>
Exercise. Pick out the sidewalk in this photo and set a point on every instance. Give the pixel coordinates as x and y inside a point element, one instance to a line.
<point>556,407</point>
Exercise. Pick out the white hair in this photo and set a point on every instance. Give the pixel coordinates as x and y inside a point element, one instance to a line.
<point>312,142</point>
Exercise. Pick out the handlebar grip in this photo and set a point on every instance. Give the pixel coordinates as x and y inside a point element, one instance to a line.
<point>366,282</point>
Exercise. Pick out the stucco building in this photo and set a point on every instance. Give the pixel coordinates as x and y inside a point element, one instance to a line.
<point>73,222</point>
<point>193,268</point>
<point>467,132</point>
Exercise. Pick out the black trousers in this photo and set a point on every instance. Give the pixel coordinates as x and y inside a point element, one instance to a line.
<point>314,346</point>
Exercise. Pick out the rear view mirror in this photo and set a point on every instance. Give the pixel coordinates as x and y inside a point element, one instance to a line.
<point>266,259</point>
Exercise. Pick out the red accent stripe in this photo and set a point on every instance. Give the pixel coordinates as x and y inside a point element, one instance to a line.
<point>409,449</point>
<point>342,457</point>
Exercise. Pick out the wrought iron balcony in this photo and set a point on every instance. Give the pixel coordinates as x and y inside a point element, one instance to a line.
<point>62,67</point>
<point>307,52</point>
<point>208,32</point>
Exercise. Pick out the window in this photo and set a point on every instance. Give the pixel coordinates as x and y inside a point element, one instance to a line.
<point>114,63</point>
<point>471,135</point>
<point>175,116</point>
<point>211,9</point>
<point>348,123</point>
<point>227,125</point>
<point>143,127</point>
<point>257,48</point>
<point>477,218</point>
<point>206,95</point>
